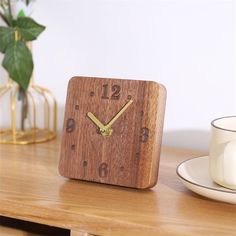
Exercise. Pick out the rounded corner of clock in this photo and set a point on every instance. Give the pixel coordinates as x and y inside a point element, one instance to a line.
<point>158,86</point>
<point>148,185</point>
<point>72,79</point>
<point>153,83</point>
<point>163,88</point>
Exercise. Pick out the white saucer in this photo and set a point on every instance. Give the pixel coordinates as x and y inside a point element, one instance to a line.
<point>194,174</point>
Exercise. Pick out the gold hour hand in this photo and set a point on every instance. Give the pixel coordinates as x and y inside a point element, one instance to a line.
<point>96,121</point>
<point>112,121</point>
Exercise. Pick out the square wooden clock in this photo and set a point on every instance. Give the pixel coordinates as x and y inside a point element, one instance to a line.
<point>112,131</point>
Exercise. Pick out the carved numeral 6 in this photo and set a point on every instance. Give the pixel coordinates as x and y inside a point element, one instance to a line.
<point>144,135</point>
<point>103,170</point>
<point>70,125</point>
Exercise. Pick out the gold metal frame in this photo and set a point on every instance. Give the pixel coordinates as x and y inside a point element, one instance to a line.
<point>35,133</point>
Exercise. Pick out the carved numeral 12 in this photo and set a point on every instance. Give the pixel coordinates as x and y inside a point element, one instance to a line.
<point>115,89</point>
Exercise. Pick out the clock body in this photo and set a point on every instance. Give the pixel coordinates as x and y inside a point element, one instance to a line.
<point>129,154</point>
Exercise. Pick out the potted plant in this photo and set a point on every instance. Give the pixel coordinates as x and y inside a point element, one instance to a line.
<point>18,31</point>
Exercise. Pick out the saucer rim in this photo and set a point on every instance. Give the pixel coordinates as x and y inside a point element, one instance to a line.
<point>222,189</point>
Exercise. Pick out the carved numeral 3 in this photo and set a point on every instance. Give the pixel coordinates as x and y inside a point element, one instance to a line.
<point>144,135</point>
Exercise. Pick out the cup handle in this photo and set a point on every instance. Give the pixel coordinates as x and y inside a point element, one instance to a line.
<point>229,163</point>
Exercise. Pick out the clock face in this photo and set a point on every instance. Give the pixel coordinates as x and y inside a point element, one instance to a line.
<point>112,131</point>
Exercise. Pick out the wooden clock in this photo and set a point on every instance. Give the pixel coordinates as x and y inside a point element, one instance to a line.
<point>112,131</point>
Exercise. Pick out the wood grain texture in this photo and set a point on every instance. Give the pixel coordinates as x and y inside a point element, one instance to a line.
<point>77,233</point>
<point>31,189</point>
<point>130,156</point>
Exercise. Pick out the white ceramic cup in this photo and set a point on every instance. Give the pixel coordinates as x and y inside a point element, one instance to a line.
<point>223,151</point>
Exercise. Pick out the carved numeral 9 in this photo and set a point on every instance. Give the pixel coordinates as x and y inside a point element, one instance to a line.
<point>70,125</point>
<point>103,170</point>
<point>144,135</point>
<point>115,89</point>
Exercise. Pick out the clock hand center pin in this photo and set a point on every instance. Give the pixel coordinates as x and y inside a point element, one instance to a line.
<point>102,129</point>
<point>106,130</point>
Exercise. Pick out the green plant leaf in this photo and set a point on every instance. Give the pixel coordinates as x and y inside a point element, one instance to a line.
<point>21,13</point>
<point>28,28</point>
<point>18,63</point>
<point>6,37</point>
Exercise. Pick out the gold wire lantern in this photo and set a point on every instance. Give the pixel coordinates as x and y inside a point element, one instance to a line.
<point>39,124</point>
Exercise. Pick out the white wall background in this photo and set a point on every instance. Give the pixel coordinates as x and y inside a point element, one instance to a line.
<point>188,45</point>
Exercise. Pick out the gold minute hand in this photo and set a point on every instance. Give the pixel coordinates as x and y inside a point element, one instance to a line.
<point>95,120</point>
<point>112,121</point>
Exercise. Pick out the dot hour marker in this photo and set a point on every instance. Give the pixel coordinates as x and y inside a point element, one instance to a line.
<point>129,97</point>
